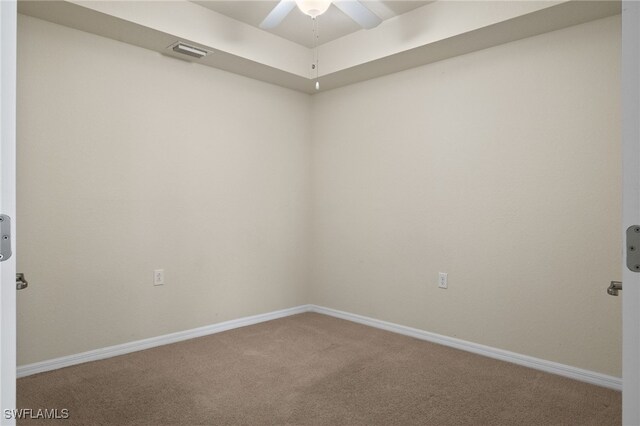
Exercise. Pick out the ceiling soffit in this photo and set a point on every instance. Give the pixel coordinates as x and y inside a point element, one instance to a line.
<point>432,32</point>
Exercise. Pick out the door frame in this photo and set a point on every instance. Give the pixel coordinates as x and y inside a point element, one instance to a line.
<point>8,39</point>
<point>631,206</point>
<point>630,209</point>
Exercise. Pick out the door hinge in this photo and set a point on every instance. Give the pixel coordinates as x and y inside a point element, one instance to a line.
<point>633,248</point>
<point>5,237</point>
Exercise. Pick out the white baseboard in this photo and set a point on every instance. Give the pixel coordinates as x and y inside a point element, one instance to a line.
<point>515,358</point>
<point>138,345</point>
<point>575,373</point>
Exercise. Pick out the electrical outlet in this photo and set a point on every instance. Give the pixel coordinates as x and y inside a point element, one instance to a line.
<point>158,277</point>
<point>442,280</point>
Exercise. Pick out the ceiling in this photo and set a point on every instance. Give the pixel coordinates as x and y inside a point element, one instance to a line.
<point>297,26</point>
<point>431,32</point>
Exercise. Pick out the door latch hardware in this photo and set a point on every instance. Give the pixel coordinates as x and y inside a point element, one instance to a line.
<point>5,237</point>
<point>21,283</point>
<point>633,248</point>
<point>614,288</point>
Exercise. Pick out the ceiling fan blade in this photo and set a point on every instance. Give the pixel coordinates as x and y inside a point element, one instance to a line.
<point>359,13</point>
<point>277,14</point>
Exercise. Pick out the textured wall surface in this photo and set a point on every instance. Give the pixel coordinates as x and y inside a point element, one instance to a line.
<point>131,161</point>
<point>500,167</point>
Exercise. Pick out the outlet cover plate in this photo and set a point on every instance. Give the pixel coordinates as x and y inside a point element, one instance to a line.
<point>158,277</point>
<point>443,280</point>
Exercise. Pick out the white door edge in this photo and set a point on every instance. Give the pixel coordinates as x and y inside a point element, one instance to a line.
<point>630,209</point>
<point>8,25</point>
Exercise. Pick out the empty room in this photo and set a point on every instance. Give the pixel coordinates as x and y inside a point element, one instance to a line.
<point>320,212</point>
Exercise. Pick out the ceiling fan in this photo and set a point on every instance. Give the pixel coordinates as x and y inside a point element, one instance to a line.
<point>352,8</point>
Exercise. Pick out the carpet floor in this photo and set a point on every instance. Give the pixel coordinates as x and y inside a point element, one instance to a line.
<point>311,369</point>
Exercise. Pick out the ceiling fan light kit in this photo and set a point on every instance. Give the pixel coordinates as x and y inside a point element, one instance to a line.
<point>313,8</point>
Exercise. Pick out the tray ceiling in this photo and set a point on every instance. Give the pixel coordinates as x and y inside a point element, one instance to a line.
<point>297,26</point>
<point>431,32</point>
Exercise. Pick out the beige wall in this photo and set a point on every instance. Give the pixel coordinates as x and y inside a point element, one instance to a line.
<point>130,161</point>
<point>500,167</point>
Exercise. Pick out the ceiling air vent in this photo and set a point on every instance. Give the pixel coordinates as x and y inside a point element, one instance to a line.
<point>185,49</point>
